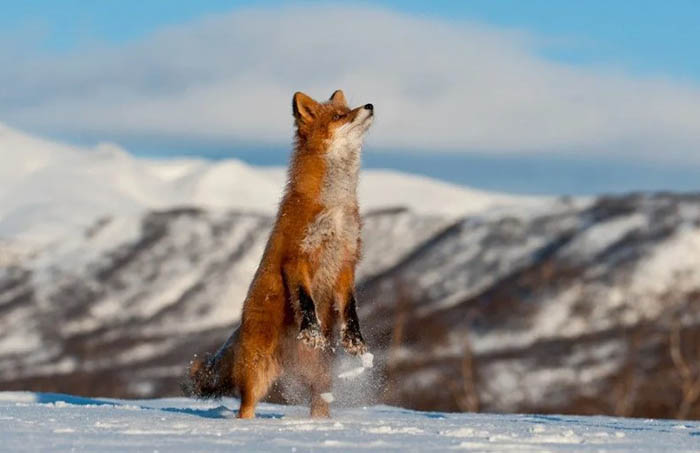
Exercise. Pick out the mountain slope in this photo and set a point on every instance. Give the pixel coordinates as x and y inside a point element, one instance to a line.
<point>571,311</point>
<point>550,320</point>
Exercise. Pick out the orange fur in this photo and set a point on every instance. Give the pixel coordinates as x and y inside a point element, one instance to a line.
<point>313,248</point>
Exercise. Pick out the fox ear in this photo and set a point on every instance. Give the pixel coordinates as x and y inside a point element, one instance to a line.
<point>304,107</point>
<point>338,98</point>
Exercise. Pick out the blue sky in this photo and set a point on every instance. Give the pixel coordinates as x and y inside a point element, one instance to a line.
<point>527,96</point>
<point>647,36</point>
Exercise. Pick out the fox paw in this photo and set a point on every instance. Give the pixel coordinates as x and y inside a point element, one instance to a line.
<point>312,337</point>
<point>353,344</point>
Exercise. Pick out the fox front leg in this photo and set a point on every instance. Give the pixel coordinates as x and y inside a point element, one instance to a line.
<point>350,334</point>
<point>310,332</point>
<point>298,284</point>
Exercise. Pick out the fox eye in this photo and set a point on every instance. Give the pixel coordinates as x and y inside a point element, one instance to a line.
<point>336,117</point>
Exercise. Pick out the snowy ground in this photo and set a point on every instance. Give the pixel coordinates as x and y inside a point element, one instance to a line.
<point>53,422</point>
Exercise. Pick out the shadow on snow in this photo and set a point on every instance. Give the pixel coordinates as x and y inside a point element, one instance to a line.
<point>214,412</point>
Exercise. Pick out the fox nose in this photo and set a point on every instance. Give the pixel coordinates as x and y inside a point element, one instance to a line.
<point>369,107</point>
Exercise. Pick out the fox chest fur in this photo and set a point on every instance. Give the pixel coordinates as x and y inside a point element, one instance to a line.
<point>332,239</point>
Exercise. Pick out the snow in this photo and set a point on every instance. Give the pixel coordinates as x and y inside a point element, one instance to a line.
<point>367,362</point>
<point>54,422</point>
<point>603,234</point>
<point>328,397</point>
<point>670,264</point>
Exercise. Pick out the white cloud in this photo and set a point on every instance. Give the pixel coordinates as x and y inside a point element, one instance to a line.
<point>436,85</point>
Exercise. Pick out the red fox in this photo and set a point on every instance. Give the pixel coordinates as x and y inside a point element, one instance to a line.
<point>304,286</point>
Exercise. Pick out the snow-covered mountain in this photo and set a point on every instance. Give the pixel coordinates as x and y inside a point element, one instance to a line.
<point>115,270</point>
<point>47,189</point>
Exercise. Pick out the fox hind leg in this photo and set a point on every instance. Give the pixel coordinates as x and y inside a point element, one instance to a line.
<point>319,406</point>
<point>254,384</point>
<point>317,374</point>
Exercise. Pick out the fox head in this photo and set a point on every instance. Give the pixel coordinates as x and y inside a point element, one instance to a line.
<point>331,124</point>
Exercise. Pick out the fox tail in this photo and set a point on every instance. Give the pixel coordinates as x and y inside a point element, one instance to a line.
<point>211,376</point>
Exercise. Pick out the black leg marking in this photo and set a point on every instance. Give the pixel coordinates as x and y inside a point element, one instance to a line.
<point>352,322</point>
<point>310,332</point>
<point>351,335</point>
<point>308,310</point>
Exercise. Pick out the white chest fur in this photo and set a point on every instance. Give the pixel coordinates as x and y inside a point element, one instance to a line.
<point>335,231</point>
